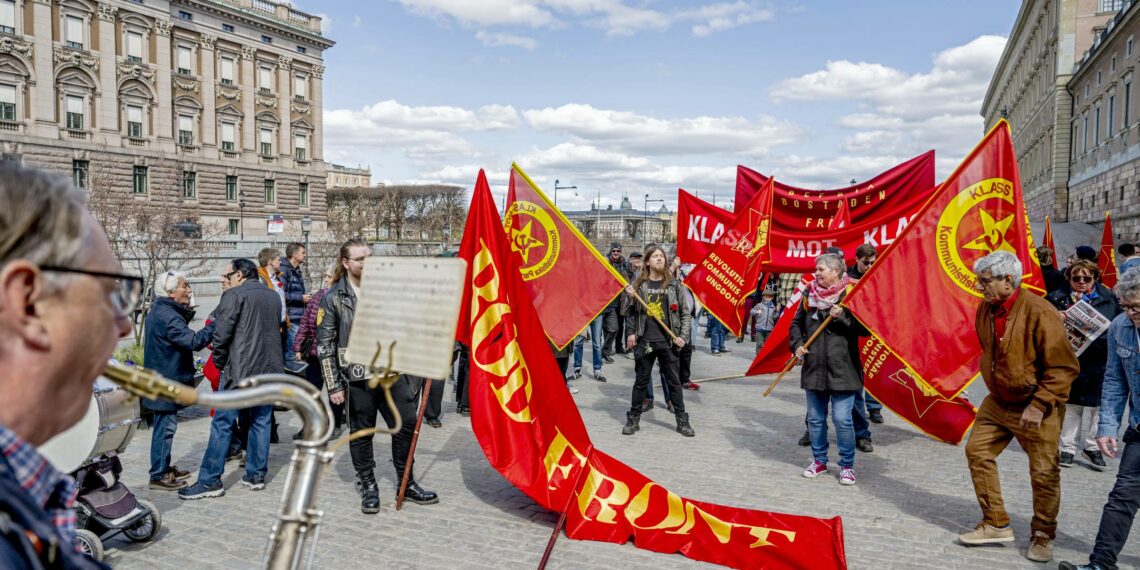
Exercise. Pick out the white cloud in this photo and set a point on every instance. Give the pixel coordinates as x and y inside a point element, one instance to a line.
<point>687,136</point>
<point>498,39</point>
<point>357,21</point>
<point>615,17</point>
<point>906,113</point>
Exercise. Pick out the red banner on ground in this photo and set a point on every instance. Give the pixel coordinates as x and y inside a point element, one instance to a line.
<point>569,281</point>
<point>531,432</point>
<point>728,275</point>
<point>1106,260</point>
<point>920,297</point>
<point>699,226</point>
<point>880,209</point>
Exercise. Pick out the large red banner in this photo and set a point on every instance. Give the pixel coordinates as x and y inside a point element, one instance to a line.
<point>921,296</point>
<point>879,209</point>
<point>569,281</point>
<point>699,226</point>
<point>727,276</point>
<point>529,428</point>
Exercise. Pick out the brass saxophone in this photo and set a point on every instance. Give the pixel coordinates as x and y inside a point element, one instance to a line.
<point>298,518</point>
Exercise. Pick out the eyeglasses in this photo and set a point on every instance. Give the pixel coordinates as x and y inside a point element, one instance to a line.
<point>1130,308</point>
<point>126,296</point>
<point>983,281</point>
<point>228,276</point>
<point>1081,279</point>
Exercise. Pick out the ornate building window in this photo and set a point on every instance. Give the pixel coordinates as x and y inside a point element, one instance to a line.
<point>265,141</point>
<point>301,87</point>
<point>265,77</point>
<point>135,122</point>
<point>74,31</point>
<point>301,146</point>
<point>229,136</point>
<point>74,106</point>
<point>134,45</point>
<point>7,102</point>
<point>8,16</point>
<point>183,60</point>
<point>186,130</point>
<point>227,69</point>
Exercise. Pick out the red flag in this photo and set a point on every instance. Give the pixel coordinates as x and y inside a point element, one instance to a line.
<point>880,209</point>
<point>776,352</point>
<point>531,432</point>
<point>1047,239</point>
<point>920,297</point>
<point>1106,261</point>
<point>727,276</point>
<point>841,219</point>
<point>699,226</point>
<point>570,282</point>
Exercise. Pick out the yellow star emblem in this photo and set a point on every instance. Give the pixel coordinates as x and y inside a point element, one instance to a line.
<point>523,240</point>
<point>993,234</point>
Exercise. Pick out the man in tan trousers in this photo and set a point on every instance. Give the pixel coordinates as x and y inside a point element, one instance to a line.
<point>1028,366</point>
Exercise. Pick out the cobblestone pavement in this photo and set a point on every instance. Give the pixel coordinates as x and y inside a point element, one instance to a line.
<point>912,498</point>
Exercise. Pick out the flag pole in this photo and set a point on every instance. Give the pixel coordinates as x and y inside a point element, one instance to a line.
<point>562,516</point>
<point>425,393</point>
<point>718,378</point>
<point>792,361</point>
<point>633,292</point>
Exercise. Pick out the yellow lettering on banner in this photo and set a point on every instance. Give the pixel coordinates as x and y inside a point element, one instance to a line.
<point>796,203</point>
<point>511,366</point>
<point>761,535</point>
<point>720,529</point>
<point>882,195</point>
<point>811,204</point>
<point>819,224</point>
<point>617,496</point>
<point>784,201</point>
<point>554,455</point>
<point>637,508</point>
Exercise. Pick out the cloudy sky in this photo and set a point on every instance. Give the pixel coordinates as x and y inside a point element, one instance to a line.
<point>644,96</point>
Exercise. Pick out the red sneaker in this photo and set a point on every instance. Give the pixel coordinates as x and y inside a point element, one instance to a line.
<point>692,386</point>
<point>815,470</point>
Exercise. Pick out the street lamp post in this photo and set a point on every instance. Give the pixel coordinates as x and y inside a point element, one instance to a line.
<point>557,188</point>
<point>241,214</point>
<point>306,223</point>
<point>645,216</point>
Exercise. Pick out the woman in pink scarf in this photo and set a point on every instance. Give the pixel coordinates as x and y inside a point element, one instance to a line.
<point>831,371</point>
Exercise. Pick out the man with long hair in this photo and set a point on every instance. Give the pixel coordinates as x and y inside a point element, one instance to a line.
<point>349,380</point>
<point>651,342</point>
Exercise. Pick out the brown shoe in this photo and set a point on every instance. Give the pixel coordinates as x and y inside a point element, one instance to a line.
<point>167,483</point>
<point>1040,548</point>
<point>178,473</point>
<point>987,534</point>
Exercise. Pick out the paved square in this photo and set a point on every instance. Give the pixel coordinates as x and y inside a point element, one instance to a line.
<point>912,498</point>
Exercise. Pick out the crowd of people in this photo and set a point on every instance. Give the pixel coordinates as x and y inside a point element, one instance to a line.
<point>57,269</point>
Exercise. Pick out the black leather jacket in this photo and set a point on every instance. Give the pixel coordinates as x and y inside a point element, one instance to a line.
<point>678,319</point>
<point>338,307</point>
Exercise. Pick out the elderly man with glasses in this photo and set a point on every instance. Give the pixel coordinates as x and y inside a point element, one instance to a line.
<point>1028,366</point>
<point>169,350</point>
<point>56,270</point>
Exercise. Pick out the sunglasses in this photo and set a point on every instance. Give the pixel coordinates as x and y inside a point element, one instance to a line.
<point>1081,279</point>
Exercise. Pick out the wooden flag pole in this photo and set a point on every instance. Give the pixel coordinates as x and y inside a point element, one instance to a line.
<point>425,393</point>
<point>718,378</point>
<point>562,516</point>
<point>792,361</point>
<point>633,292</point>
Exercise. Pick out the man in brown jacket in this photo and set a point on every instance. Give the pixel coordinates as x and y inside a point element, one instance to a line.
<point>1027,365</point>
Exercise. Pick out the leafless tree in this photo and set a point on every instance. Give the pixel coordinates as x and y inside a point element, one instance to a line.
<point>400,212</point>
<point>152,232</point>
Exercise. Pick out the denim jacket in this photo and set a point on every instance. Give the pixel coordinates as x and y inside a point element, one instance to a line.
<point>1121,378</point>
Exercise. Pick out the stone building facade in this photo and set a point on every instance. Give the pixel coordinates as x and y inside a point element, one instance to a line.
<point>213,104</point>
<point>348,177</point>
<point>624,224</point>
<point>1028,88</point>
<point>1104,171</point>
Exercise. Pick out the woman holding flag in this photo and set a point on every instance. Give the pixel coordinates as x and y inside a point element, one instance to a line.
<point>663,302</point>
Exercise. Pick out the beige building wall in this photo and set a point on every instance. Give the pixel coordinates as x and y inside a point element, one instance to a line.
<point>1028,88</point>
<point>347,177</point>
<point>1105,163</point>
<point>172,100</point>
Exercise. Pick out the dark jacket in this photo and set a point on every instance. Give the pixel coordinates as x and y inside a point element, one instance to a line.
<point>21,516</point>
<point>247,337</point>
<point>1034,362</point>
<point>169,345</point>
<point>832,362</point>
<point>294,284</point>
<point>678,319</point>
<point>307,329</point>
<point>339,308</point>
<point>1054,279</point>
<point>1086,388</point>
<point>623,268</point>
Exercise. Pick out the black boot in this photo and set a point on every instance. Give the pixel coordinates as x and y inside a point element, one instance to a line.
<point>683,426</point>
<point>632,423</point>
<point>419,495</point>
<point>369,493</point>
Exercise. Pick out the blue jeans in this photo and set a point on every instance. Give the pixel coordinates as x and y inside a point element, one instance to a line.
<point>1123,502</point>
<point>860,420</point>
<point>841,404</point>
<point>595,344</point>
<point>161,442</point>
<point>664,387</point>
<point>717,332</point>
<point>872,403</point>
<point>290,361</point>
<point>257,452</point>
